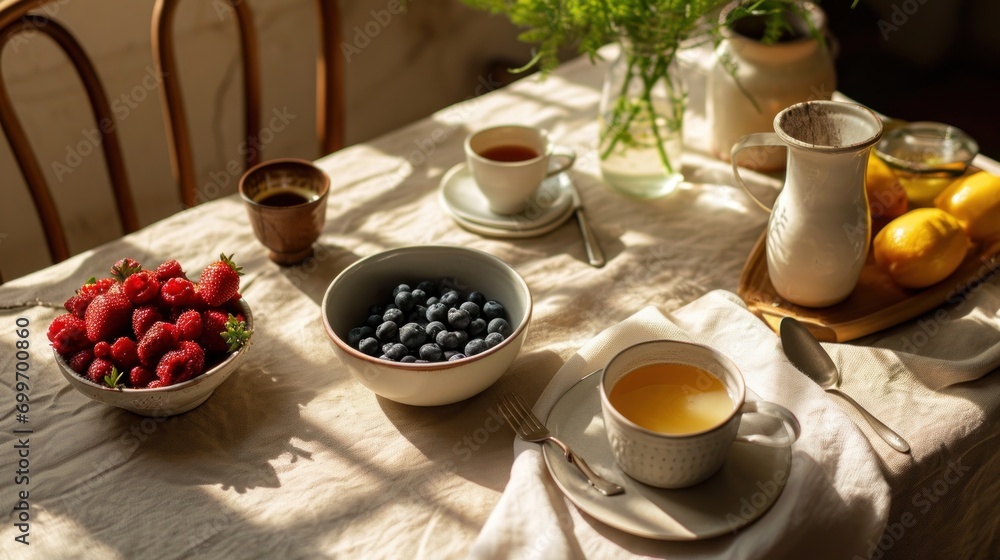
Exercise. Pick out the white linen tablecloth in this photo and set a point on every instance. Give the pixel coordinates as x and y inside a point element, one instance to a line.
<point>290,458</point>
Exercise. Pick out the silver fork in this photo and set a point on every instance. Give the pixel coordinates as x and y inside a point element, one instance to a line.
<point>527,427</point>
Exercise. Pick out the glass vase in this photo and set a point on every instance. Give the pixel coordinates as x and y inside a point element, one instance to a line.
<point>641,122</point>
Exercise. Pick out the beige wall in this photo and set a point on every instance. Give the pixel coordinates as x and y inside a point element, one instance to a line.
<point>400,67</point>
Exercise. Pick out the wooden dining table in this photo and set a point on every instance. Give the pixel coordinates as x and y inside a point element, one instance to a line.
<point>292,458</point>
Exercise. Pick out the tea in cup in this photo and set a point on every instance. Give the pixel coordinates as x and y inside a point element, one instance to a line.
<point>509,163</point>
<point>286,202</point>
<point>672,409</point>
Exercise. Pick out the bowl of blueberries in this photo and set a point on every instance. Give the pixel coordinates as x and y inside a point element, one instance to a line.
<point>427,325</point>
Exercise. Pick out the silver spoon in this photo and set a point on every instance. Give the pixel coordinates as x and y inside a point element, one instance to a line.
<point>805,353</point>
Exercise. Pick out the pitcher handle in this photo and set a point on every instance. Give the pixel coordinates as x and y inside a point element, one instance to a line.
<point>750,141</point>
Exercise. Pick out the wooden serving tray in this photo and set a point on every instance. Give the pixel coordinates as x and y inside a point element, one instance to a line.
<point>876,302</point>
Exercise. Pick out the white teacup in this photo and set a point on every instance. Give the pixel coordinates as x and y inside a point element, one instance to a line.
<point>677,459</point>
<point>509,163</point>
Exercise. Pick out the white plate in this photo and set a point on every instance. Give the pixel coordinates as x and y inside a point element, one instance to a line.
<point>743,490</point>
<point>462,198</point>
<point>513,233</point>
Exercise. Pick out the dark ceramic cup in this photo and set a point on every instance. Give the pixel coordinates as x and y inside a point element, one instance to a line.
<point>286,202</point>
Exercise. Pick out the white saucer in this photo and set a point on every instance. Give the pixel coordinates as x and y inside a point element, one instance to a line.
<point>460,196</point>
<point>743,490</point>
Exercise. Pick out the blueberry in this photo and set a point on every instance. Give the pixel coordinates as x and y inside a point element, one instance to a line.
<point>499,325</point>
<point>357,334</point>
<point>447,340</point>
<point>463,338</point>
<point>429,287</point>
<point>492,310</point>
<point>476,346</point>
<point>369,346</point>
<point>386,346</point>
<point>431,352</point>
<point>458,318</point>
<point>434,327</point>
<point>437,312</point>
<point>422,362</point>
<point>394,315</point>
<point>450,298</point>
<point>418,315</point>
<point>400,288</point>
<point>404,301</point>
<point>419,296</point>
<point>477,327</point>
<point>374,321</point>
<point>396,352</point>
<point>477,298</point>
<point>431,301</point>
<point>412,335</point>
<point>457,356</point>
<point>471,308</point>
<point>408,359</point>
<point>493,339</point>
<point>387,331</point>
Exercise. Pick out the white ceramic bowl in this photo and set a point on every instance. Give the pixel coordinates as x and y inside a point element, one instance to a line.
<point>370,280</point>
<point>162,401</point>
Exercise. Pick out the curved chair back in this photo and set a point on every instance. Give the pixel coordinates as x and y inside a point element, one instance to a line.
<point>329,86</point>
<point>15,19</point>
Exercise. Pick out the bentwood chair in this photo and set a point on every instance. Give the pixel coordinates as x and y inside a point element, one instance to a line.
<point>329,86</point>
<point>21,18</point>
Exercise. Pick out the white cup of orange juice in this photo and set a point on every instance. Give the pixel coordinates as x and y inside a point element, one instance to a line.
<point>672,409</point>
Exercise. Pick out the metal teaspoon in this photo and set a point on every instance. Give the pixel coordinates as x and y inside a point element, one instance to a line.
<point>810,358</point>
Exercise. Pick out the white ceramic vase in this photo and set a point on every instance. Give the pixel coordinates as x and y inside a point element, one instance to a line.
<point>768,78</point>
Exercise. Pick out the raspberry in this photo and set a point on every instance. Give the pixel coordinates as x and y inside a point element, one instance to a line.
<point>68,334</point>
<point>156,384</point>
<point>188,325</point>
<point>77,304</point>
<point>177,292</point>
<point>170,269</point>
<point>182,364</point>
<point>143,318</point>
<point>98,369</point>
<point>102,349</point>
<point>213,325</point>
<point>140,377</point>
<point>158,340</point>
<point>125,353</point>
<point>141,287</point>
<point>95,288</point>
<point>80,361</point>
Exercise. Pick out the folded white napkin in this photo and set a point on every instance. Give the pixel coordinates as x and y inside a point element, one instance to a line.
<point>835,503</point>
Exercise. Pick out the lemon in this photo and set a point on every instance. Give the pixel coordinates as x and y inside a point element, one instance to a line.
<point>921,247</point>
<point>886,196</point>
<point>975,201</point>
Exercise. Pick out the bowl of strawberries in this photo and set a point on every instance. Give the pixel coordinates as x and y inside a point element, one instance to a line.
<point>152,341</point>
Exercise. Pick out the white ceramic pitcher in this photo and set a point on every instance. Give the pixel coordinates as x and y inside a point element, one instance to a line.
<point>820,228</point>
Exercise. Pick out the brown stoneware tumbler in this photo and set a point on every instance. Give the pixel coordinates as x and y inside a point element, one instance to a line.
<point>286,202</point>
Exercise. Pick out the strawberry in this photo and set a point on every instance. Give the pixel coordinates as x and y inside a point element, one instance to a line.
<point>182,364</point>
<point>170,269</point>
<point>236,334</point>
<point>177,292</point>
<point>143,318</point>
<point>125,268</point>
<point>220,281</point>
<point>68,334</point>
<point>213,326</point>
<point>94,287</point>
<point>188,325</point>
<point>102,349</point>
<point>141,287</point>
<point>80,361</point>
<point>158,340</point>
<point>107,315</point>
<point>140,377</point>
<point>156,384</point>
<point>98,369</point>
<point>124,353</point>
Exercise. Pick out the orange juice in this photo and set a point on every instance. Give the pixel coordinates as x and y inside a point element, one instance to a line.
<point>672,399</point>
